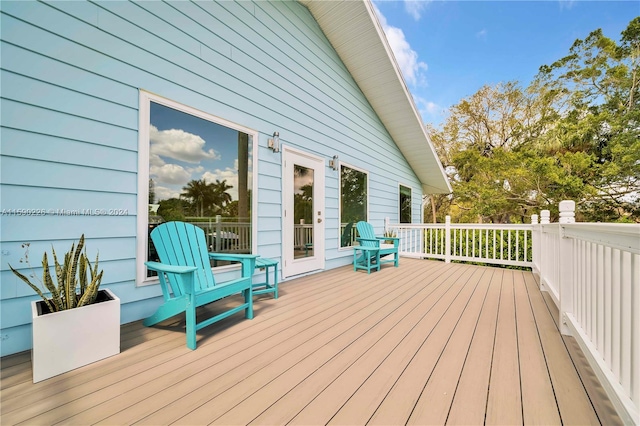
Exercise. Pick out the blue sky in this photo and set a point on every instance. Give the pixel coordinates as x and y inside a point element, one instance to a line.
<point>447,50</point>
<point>184,147</point>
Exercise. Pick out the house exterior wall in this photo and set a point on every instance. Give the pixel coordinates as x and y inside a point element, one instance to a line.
<point>71,73</point>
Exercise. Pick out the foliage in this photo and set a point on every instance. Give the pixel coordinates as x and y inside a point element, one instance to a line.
<point>303,205</point>
<point>172,209</point>
<point>353,195</point>
<point>152,191</point>
<point>66,294</point>
<point>389,234</point>
<point>574,133</point>
<point>206,199</point>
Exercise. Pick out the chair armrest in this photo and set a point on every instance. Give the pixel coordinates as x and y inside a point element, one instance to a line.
<point>171,269</point>
<point>248,261</point>
<point>396,240</point>
<point>185,276</point>
<point>365,248</point>
<point>231,256</point>
<point>374,240</point>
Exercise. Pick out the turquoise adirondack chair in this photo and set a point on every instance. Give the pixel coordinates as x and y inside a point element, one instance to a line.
<point>374,248</point>
<point>187,281</point>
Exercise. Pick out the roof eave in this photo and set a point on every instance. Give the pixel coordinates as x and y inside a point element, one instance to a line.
<point>383,85</point>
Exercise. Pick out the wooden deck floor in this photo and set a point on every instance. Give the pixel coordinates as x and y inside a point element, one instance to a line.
<point>425,343</point>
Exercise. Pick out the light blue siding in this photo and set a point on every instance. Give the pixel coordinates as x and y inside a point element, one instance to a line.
<point>71,75</point>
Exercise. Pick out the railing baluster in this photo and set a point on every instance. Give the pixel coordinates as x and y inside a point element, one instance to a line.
<point>595,287</point>
<point>626,322</point>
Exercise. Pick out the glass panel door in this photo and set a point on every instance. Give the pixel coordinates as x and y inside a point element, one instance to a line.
<point>303,216</point>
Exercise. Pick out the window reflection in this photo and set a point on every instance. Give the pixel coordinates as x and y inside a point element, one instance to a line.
<point>303,211</point>
<point>353,203</point>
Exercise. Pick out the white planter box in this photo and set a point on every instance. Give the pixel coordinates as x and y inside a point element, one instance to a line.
<point>65,340</point>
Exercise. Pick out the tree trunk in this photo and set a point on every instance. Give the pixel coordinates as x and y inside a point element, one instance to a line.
<point>243,164</point>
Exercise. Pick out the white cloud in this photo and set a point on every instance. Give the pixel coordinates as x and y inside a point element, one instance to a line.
<point>179,145</point>
<point>173,174</point>
<point>428,110</point>
<point>230,175</point>
<point>415,7</point>
<point>566,4</point>
<point>164,193</point>
<point>482,34</point>
<point>411,67</point>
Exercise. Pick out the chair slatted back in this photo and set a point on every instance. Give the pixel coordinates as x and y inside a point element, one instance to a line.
<point>183,244</point>
<point>365,230</point>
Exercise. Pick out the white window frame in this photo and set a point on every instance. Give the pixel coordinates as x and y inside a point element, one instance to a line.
<point>144,117</point>
<point>400,184</point>
<point>340,164</point>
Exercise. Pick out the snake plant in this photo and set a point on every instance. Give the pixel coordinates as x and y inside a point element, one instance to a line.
<point>76,269</point>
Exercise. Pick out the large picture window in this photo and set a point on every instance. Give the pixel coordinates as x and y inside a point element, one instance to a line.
<point>199,171</point>
<point>354,202</point>
<point>405,204</point>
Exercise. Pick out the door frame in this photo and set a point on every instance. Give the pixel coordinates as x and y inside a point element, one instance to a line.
<point>290,265</point>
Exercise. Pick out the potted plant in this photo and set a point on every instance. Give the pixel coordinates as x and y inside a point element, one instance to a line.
<point>389,234</point>
<point>78,323</point>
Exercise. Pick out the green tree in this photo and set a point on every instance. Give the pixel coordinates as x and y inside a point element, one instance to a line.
<point>353,194</point>
<point>200,193</point>
<point>152,191</point>
<point>597,91</point>
<point>220,196</point>
<point>574,133</point>
<point>172,209</point>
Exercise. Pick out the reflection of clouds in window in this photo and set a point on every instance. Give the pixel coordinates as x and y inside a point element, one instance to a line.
<point>186,148</point>
<point>302,181</point>
<point>179,145</point>
<point>170,173</point>
<point>164,193</point>
<point>230,175</point>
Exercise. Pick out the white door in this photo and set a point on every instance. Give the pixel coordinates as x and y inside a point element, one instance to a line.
<point>303,215</point>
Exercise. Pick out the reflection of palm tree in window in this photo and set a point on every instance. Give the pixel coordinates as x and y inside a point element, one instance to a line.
<point>303,198</point>
<point>303,203</point>
<point>199,192</point>
<point>220,195</point>
<point>208,198</point>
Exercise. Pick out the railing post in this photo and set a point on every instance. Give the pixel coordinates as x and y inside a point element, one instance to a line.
<point>218,233</point>
<point>545,216</point>
<point>566,264</point>
<point>447,239</point>
<point>535,244</point>
<point>543,267</point>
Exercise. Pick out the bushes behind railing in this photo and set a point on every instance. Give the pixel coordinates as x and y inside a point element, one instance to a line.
<point>501,245</point>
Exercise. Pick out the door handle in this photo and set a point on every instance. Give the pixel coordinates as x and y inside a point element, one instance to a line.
<point>319,220</point>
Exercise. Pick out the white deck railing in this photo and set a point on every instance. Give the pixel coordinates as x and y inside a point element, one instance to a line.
<point>500,244</point>
<point>590,270</point>
<point>226,235</point>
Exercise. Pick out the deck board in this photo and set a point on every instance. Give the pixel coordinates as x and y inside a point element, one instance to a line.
<point>437,395</point>
<point>425,343</point>
<point>504,403</point>
<point>470,401</point>
<point>399,403</point>
<point>573,402</point>
<point>538,400</point>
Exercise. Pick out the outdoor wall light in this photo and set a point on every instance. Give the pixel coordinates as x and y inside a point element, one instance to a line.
<point>333,163</point>
<point>274,143</point>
